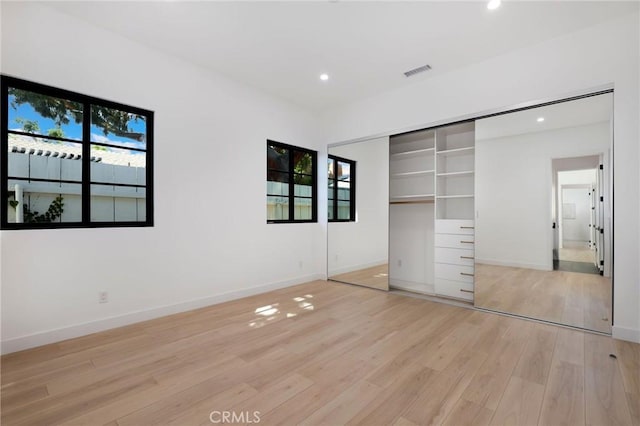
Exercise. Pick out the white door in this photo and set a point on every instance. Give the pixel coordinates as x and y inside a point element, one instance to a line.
<point>576,217</point>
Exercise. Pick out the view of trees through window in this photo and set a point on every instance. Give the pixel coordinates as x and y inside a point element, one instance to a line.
<point>73,159</point>
<point>291,183</point>
<point>341,193</point>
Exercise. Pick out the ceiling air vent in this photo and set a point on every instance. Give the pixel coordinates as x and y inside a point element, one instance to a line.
<point>417,70</point>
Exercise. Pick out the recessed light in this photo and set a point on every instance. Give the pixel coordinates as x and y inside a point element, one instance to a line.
<point>540,119</point>
<point>324,77</point>
<point>493,4</point>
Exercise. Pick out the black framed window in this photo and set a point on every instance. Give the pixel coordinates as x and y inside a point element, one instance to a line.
<point>341,192</point>
<point>291,184</point>
<point>73,161</point>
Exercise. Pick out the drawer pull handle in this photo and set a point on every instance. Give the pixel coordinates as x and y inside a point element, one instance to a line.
<point>466,291</point>
<point>466,242</point>
<point>467,257</point>
<point>465,274</point>
<point>467,227</point>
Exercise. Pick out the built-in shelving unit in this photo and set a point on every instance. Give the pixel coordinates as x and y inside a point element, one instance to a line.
<point>454,229</point>
<point>455,158</point>
<point>412,174</point>
<point>457,151</point>
<point>412,194</point>
<point>412,166</point>
<point>413,152</point>
<point>413,197</point>
<point>455,196</point>
<point>462,173</point>
<point>431,211</point>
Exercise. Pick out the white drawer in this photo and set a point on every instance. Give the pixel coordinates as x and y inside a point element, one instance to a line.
<point>454,272</point>
<point>454,241</point>
<point>455,289</point>
<point>465,227</point>
<point>454,256</point>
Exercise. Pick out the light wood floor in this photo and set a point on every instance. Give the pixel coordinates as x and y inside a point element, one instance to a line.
<point>577,255</point>
<point>571,298</point>
<point>374,277</point>
<point>328,353</point>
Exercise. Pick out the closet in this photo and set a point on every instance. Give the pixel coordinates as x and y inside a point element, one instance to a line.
<point>431,211</point>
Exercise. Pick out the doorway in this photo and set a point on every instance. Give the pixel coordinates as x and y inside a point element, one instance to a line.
<point>578,221</point>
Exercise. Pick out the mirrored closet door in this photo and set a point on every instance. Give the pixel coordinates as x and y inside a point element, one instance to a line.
<point>543,213</point>
<point>358,212</point>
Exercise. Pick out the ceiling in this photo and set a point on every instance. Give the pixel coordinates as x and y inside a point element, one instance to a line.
<point>283,47</point>
<point>581,112</point>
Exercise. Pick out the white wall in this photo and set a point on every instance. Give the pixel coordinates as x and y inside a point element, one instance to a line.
<point>210,138</point>
<point>513,191</point>
<point>578,177</point>
<point>364,243</point>
<point>600,55</point>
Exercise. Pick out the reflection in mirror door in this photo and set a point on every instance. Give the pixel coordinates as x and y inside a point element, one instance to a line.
<point>543,213</point>
<point>358,229</point>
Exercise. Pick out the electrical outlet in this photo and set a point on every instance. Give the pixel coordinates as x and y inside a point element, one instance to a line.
<point>103,297</point>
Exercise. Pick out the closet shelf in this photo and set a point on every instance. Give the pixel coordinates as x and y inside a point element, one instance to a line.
<point>457,151</point>
<point>454,196</point>
<point>412,174</point>
<point>463,173</point>
<point>411,202</point>
<point>415,151</point>
<point>417,197</point>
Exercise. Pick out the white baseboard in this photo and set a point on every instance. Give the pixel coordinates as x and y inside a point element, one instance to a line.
<point>537,266</point>
<point>77,330</point>
<point>624,333</point>
<point>352,268</point>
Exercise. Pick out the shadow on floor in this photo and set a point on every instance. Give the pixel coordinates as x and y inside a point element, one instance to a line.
<point>581,267</point>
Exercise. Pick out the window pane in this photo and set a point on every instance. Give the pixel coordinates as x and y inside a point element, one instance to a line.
<point>39,158</point>
<point>118,204</point>
<point>344,210</point>
<point>44,115</point>
<point>344,191</point>
<point>302,162</point>
<point>117,127</point>
<point>277,208</point>
<point>116,165</point>
<point>277,183</point>
<point>303,208</point>
<point>330,190</point>
<point>303,179</point>
<point>330,168</point>
<point>330,209</point>
<point>277,158</point>
<point>344,171</point>
<point>303,190</point>
<point>44,202</point>
<point>290,179</point>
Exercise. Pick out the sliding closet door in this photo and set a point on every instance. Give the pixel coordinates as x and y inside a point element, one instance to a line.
<point>358,228</point>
